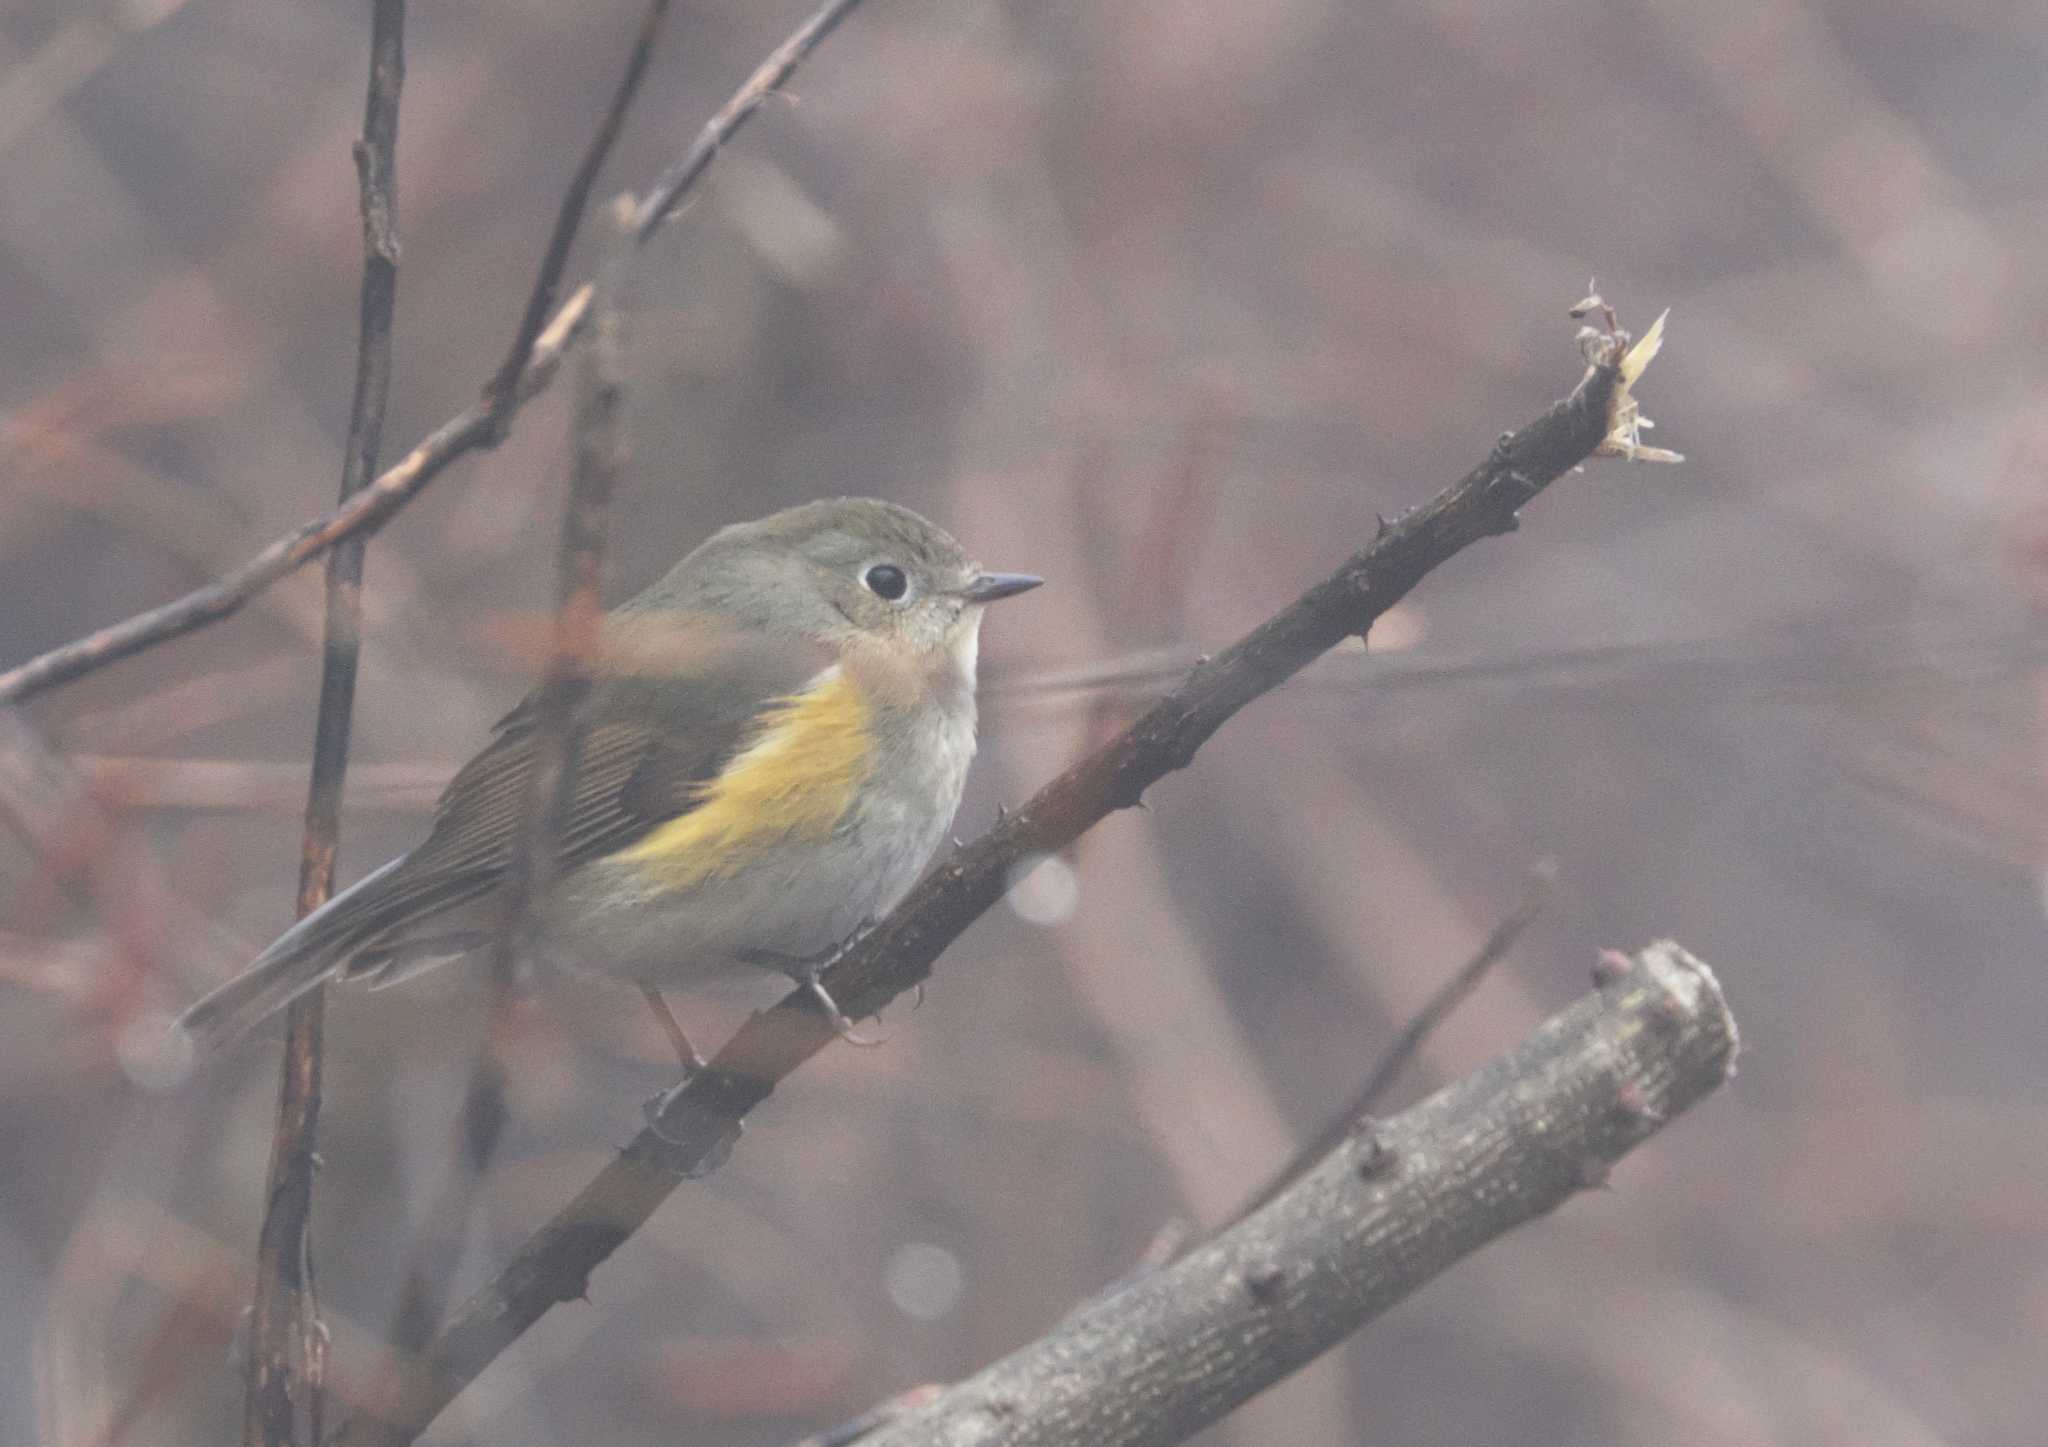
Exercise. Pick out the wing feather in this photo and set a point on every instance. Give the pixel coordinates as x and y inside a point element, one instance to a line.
<point>651,743</point>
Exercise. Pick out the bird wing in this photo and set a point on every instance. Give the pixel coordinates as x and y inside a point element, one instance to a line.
<point>649,745</point>
<point>653,738</point>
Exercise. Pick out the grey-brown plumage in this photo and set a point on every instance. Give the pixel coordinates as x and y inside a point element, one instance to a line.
<point>691,672</point>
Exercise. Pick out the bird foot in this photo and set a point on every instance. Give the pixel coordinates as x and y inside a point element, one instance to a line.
<point>806,970</point>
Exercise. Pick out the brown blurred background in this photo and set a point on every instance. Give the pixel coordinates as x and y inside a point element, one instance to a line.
<point>1162,299</point>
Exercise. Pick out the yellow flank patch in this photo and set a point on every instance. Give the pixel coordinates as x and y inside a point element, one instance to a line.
<point>795,779</point>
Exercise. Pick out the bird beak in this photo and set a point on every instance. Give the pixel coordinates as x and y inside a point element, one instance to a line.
<point>987,587</point>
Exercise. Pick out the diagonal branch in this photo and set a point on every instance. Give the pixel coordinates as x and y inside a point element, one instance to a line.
<point>479,425</point>
<point>503,391</point>
<point>1388,1208</point>
<point>287,1344</point>
<point>361,515</point>
<point>700,1121</point>
<point>676,182</point>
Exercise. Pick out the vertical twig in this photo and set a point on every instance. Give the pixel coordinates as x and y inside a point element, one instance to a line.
<point>579,604</point>
<point>579,612</point>
<point>437,1249</point>
<point>287,1345</point>
<point>501,393</point>
<point>558,730</point>
<point>424,1296</point>
<point>599,452</point>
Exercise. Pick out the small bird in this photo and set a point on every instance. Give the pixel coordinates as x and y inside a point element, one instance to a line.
<point>775,741</point>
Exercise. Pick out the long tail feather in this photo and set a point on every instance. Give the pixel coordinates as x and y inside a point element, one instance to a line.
<point>297,960</point>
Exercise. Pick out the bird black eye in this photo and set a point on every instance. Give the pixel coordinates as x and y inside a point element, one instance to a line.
<point>886,580</point>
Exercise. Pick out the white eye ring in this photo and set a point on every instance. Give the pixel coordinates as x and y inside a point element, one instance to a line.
<point>887,582</point>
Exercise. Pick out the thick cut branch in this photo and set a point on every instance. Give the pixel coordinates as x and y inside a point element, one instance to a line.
<point>1390,1208</point>
<point>287,1344</point>
<point>699,1122</point>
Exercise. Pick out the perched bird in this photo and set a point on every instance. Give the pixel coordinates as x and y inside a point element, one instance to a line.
<point>773,747</point>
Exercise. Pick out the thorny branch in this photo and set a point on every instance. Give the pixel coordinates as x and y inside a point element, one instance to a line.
<point>700,1121</point>
<point>287,1344</point>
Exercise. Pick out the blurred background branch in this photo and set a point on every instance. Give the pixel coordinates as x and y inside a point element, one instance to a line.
<point>1409,1042</point>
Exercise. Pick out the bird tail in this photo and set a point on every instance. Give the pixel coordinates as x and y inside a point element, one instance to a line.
<point>297,960</point>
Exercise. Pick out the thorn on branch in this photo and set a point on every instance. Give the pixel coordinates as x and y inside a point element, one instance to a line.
<point>1611,968</point>
<point>1666,1012</point>
<point>1264,1284</point>
<point>1594,302</point>
<point>1376,1159</point>
<point>1634,1104</point>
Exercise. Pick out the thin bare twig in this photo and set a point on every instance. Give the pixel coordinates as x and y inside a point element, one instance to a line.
<point>361,515</point>
<point>1421,1025</point>
<point>437,1247</point>
<point>287,1343</point>
<point>700,1121</point>
<point>540,301</point>
<point>1456,990</point>
<point>1393,1205</point>
<point>579,608</point>
<point>673,184</point>
<point>478,425</point>
<point>579,611</point>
